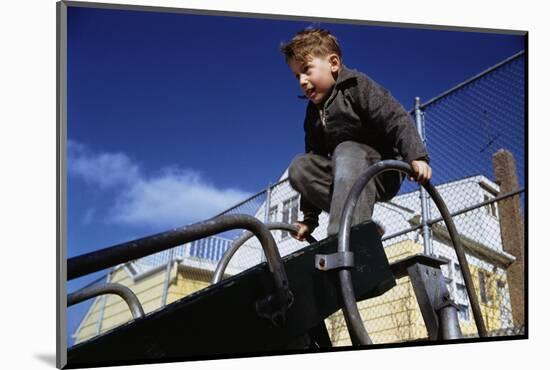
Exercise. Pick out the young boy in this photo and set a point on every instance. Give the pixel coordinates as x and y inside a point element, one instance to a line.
<point>351,122</point>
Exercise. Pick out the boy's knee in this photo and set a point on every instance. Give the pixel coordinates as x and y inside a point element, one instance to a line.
<point>296,170</point>
<point>354,150</point>
<point>346,147</point>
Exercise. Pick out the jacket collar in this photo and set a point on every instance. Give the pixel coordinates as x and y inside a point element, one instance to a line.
<point>344,74</point>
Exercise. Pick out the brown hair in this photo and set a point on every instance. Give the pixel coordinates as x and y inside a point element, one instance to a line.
<point>314,42</point>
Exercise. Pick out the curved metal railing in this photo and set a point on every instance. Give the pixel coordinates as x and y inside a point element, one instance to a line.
<point>272,307</point>
<point>224,261</point>
<point>355,325</point>
<point>108,288</point>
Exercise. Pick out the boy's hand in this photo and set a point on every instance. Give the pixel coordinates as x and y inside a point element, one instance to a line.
<point>422,172</point>
<point>303,231</point>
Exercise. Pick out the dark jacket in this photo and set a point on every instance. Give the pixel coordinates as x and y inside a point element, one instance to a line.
<point>358,109</point>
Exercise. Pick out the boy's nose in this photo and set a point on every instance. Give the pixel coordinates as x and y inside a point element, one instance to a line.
<point>303,81</point>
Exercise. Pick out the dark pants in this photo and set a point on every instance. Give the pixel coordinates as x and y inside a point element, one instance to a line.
<point>326,182</point>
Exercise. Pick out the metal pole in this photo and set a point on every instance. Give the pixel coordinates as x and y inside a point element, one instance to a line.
<point>273,307</point>
<point>266,215</point>
<point>425,210</point>
<point>224,261</point>
<point>102,309</point>
<point>267,201</point>
<point>449,327</point>
<point>167,278</point>
<point>457,213</point>
<point>109,288</point>
<point>124,252</point>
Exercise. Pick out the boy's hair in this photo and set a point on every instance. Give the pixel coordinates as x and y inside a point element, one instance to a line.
<point>310,42</point>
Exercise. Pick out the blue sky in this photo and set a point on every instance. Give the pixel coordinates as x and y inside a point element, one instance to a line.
<point>173,118</point>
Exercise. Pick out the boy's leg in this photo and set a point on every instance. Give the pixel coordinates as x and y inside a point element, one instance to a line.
<point>311,176</point>
<point>350,159</point>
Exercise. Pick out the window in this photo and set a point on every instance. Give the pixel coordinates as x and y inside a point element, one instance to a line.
<point>482,287</point>
<point>491,207</point>
<point>463,312</point>
<point>290,213</point>
<point>501,285</point>
<point>272,215</point>
<point>505,312</point>
<point>457,273</point>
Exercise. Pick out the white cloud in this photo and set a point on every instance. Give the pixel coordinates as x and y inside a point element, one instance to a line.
<point>104,169</point>
<point>174,197</point>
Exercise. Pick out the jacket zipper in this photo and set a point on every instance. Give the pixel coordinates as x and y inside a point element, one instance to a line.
<point>322,112</point>
<point>323,116</point>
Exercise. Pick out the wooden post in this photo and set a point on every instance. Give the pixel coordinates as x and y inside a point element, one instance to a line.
<point>511,230</point>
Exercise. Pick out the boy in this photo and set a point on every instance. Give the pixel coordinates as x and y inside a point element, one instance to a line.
<point>351,122</point>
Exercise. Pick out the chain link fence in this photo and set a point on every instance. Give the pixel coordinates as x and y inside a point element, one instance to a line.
<point>466,128</point>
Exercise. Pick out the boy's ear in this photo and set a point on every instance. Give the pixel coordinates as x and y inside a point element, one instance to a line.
<point>335,63</point>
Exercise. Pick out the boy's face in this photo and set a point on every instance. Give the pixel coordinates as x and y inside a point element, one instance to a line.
<point>316,76</point>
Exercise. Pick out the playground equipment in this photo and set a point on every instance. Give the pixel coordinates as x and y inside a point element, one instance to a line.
<point>280,304</point>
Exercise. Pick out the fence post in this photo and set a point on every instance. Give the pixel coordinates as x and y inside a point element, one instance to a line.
<point>424,204</point>
<point>167,278</point>
<point>267,203</point>
<point>511,230</point>
<point>266,214</point>
<point>103,303</point>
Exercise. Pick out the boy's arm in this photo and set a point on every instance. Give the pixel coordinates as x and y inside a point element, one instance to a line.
<point>388,115</point>
<point>310,221</point>
<point>311,214</point>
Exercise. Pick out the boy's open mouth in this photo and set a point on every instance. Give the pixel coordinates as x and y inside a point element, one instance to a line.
<point>310,92</point>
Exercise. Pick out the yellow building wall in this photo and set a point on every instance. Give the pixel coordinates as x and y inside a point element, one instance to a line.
<point>391,317</point>
<point>186,282</point>
<point>490,310</point>
<point>395,316</point>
